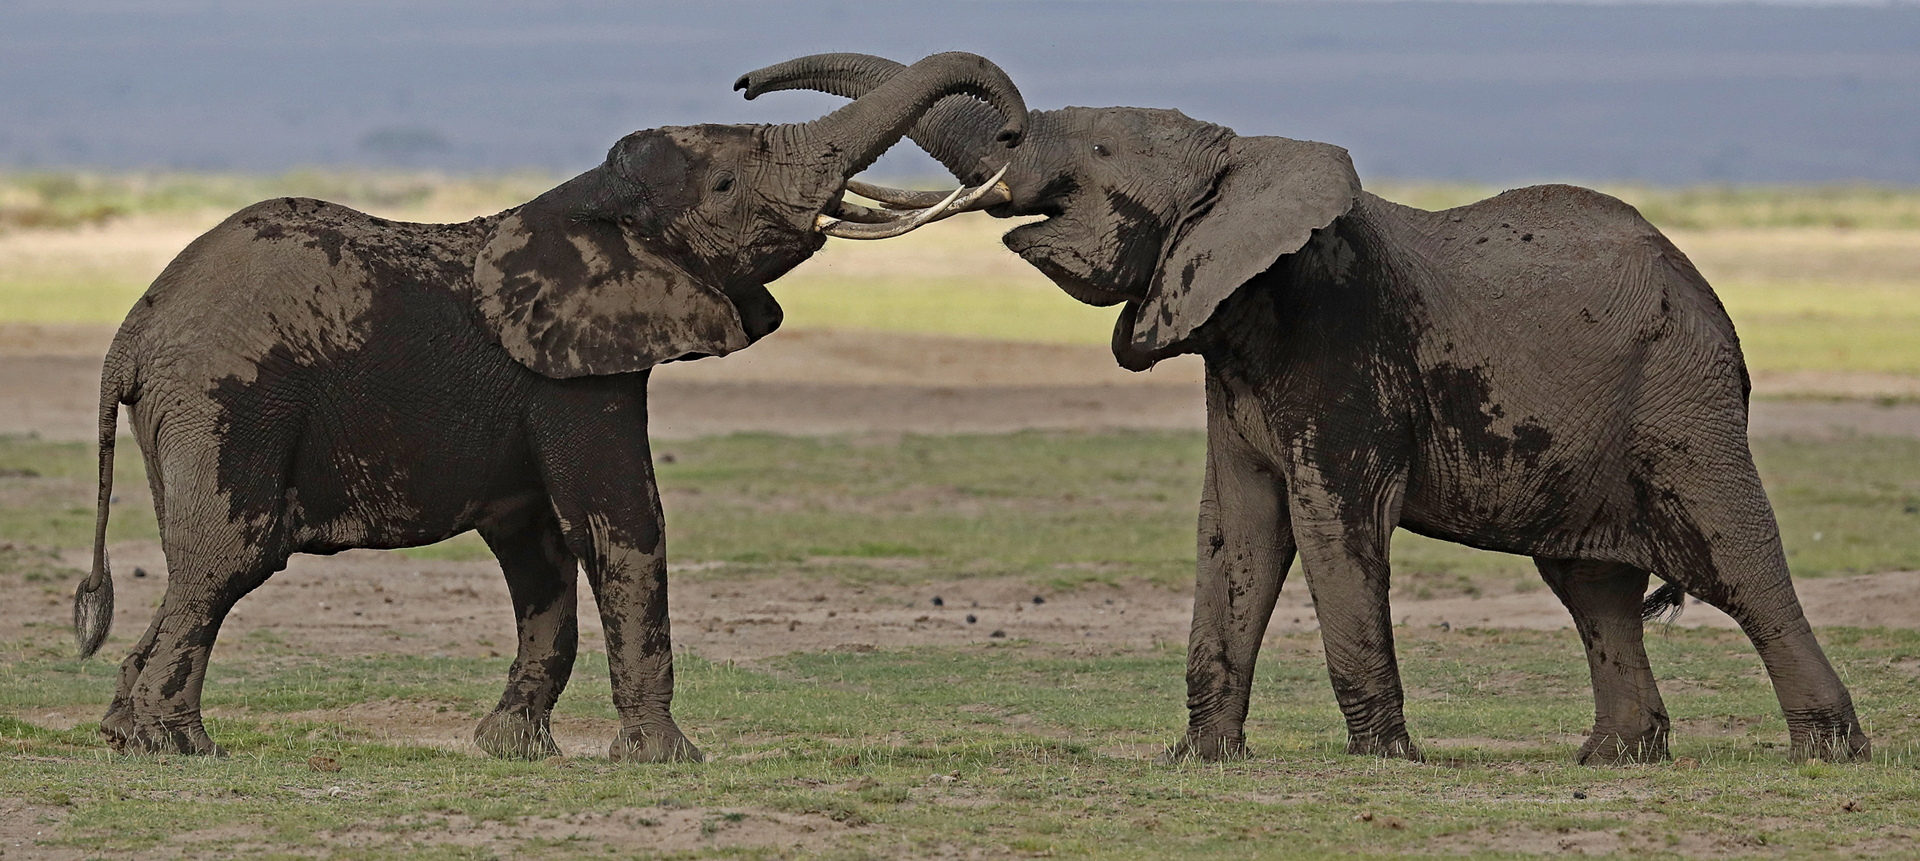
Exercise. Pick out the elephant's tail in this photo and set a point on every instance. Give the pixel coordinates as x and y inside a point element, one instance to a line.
<point>1664,604</point>
<point>93,600</point>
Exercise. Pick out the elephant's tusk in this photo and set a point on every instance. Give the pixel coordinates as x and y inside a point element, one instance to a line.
<point>894,198</point>
<point>899,198</point>
<point>864,215</point>
<point>960,200</point>
<point>904,224</point>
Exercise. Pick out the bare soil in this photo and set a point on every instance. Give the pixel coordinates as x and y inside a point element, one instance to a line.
<point>812,382</point>
<point>805,382</point>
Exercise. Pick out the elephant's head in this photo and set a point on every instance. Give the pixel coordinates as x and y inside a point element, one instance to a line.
<point>664,250</point>
<point>1165,213</point>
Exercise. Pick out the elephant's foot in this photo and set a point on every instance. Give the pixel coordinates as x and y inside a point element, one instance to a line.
<point>1208,746</point>
<point>1616,748</point>
<point>1842,741</point>
<point>514,734</point>
<point>660,743</point>
<point>127,732</point>
<point>1396,746</point>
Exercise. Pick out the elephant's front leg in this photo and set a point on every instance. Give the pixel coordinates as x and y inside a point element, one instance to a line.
<point>1344,531</point>
<point>599,472</point>
<point>629,581</point>
<point>1245,548</point>
<point>541,575</point>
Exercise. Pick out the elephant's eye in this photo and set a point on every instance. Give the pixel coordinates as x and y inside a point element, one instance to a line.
<point>723,183</point>
<point>1101,150</point>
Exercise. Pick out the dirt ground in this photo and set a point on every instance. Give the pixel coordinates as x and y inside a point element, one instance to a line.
<point>810,382</point>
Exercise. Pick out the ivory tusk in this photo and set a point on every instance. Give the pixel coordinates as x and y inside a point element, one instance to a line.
<point>960,200</point>
<point>849,230</point>
<point>898,198</point>
<point>894,198</point>
<point>865,215</point>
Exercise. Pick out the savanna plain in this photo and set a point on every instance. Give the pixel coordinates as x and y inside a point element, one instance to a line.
<point>931,558</point>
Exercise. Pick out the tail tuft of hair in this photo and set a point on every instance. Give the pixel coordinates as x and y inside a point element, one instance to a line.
<point>93,610</point>
<point>1664,605</point>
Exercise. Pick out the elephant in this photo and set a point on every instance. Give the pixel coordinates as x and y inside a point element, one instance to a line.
<point>305,378</point>
<point>1540,373</point>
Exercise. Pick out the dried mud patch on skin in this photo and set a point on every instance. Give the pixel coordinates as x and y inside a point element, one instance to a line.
<point>652,829</point>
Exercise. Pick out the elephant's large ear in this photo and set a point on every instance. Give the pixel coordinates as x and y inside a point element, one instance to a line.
<point>1272,195</point>
<point>570,290</point>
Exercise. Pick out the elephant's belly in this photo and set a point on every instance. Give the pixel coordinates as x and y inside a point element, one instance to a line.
<point>1532,512</point>
<point>396,481</point>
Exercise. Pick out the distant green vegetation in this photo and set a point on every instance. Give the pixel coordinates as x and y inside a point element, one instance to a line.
<point>68,199</point>
<point>1711,207</point>
<point>1059,508</point>
<point>1016,309</point>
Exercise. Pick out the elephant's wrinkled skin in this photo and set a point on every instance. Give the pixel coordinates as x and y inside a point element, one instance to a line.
<point>307,378</point>
<point>1540,373</point>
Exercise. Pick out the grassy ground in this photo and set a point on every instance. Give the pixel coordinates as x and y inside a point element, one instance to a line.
<point>1059,508</point>
<point>1014,749</point>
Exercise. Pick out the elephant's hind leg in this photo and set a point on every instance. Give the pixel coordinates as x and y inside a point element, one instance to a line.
<point>1742,570</point>
<point>1629,720</point>
<point>211,564</point>
<point>542,575</point>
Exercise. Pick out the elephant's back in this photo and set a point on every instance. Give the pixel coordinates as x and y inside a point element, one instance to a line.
<point>1549,250</point>
<point>289,282</point>
<point>1571,277</point>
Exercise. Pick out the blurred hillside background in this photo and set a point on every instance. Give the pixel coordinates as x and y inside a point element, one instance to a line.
<point>1652,92</point>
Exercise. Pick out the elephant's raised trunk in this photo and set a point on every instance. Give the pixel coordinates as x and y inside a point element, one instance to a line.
<point>883,113</point>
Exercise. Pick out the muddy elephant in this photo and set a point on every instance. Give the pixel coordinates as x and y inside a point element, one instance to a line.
<point>1540,373</point>
<point>305,378</point>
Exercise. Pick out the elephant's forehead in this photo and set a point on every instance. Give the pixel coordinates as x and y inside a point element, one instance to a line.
<point>1163,125</point>
<point>709,138</point>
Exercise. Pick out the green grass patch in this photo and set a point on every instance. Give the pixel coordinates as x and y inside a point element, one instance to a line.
<point>1711,207</point>
<point>60,199</point>
<point>1004,749</point>
<point>71,291</point>
<point>1056,508</point>
<point>1060,508</point>
<point>996,750</point>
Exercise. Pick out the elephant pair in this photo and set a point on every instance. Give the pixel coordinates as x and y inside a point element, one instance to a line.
<point>1540,373</point>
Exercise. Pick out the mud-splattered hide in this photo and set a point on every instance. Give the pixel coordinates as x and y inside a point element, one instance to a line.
<point>660,253</point>
<point>305,378</point>
<point>1540,373</point>
<point>1165,212</point>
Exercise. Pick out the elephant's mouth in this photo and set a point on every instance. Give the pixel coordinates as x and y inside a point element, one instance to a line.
<point>1061,262</point>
